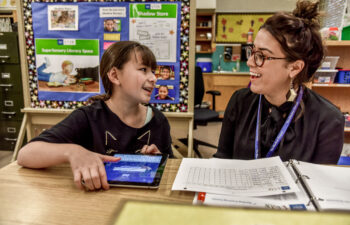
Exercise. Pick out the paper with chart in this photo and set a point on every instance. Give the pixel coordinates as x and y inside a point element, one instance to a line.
<point>290,201</point>
<point>155,25</point>
<point>261,177</point>
<point>330,185</point>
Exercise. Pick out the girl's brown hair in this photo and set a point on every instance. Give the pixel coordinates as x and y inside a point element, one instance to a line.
<point>298,34</point>
<point>116,56</point>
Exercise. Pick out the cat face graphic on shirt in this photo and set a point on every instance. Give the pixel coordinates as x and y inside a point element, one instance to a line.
<point>112,144</point>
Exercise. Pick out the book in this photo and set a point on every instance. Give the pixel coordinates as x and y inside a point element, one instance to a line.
<point>265,183</point>
<point>328,187</point>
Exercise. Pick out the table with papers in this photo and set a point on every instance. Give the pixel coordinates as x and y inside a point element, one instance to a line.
<point>49,196</point>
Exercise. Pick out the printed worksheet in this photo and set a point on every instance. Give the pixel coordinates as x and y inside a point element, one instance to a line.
<point>268,176</point>
<point>155,25</point>
<point>290,201</point>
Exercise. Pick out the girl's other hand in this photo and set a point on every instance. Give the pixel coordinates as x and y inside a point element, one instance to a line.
<point>88,167</point>
<point>150,150</point>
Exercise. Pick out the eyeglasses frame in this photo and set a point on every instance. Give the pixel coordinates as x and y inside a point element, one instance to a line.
<point>263,56</point>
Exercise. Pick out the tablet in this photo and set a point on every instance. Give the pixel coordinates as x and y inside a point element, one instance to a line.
<point>141,171</point>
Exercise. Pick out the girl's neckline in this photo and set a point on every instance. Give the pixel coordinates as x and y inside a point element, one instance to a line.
<point>123,122</point>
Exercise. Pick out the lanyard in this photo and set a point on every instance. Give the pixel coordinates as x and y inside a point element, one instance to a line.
<point>282,131</point>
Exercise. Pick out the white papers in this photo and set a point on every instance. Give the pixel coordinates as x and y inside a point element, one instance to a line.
<point>330,185</point>
<point>283,202</point>
<point>291,201</point>
<point>267,176</point>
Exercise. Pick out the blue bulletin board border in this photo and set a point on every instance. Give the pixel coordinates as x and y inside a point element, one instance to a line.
<point>42,99</point>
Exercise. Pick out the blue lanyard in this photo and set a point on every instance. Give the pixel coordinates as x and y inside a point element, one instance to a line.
<point>282,131</point>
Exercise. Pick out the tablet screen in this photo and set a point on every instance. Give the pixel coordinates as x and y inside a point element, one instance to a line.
<point>135,169</point>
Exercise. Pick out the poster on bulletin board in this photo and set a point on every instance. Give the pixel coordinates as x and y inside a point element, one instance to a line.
<point>66,40</point>
<point>234,27</point>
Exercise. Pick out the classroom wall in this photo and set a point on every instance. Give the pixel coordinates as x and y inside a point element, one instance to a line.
<point>254,5</point>
<point>246,5</point>
<point>205,4</point>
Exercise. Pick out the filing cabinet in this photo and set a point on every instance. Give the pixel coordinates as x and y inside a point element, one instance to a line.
<point>9,132</point>
<point>9,47</point>
<point>11,93</point>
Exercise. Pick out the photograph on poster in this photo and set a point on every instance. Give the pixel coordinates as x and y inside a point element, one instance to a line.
<point>63,17</point>
<point>112,25</point>
<point>68,73</point>
<point>165,72</point>
<point>164,92</point>
<point>67,65</point>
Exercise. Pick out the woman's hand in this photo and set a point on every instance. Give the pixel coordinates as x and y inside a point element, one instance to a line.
<point>88,167</point>
<point>150,150</point>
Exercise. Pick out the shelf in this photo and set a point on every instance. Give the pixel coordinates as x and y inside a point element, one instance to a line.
<point>203,28</point>
<point>331,85</point>
<point>347,129</point>
<point>7,9</point>
<point>338,43</point>
<point>204,52</point>
<point>205,32</point>
<point>203,40</point>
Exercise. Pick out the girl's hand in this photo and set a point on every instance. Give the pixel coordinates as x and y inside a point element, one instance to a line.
<point>150,150</point>
<point>88,166</point>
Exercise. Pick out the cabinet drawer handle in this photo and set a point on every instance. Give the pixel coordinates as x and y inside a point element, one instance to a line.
<point>8,113</point>
<point>10,139</point>
<point>4,57</point>
<point>6,85</point>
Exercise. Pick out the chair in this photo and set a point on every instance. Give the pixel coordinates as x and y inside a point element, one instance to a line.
<point>202,113</point>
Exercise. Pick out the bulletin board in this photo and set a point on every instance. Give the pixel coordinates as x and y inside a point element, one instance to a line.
<point>234,27</point>
<point>72,35</point>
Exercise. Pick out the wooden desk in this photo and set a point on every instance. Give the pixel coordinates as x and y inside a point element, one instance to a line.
<point>48,196</point>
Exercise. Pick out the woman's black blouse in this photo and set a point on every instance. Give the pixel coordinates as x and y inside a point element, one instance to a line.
<point>315,135</point>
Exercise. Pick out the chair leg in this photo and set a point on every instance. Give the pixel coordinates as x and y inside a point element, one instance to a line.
<point>195,149</point>
<point>196,143</point>
<point>176,153</point>
<point>199,142</point>
<point>20,138</point>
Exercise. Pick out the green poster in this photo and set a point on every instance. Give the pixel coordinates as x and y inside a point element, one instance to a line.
<point>66,47</point>
<point>153,10</point>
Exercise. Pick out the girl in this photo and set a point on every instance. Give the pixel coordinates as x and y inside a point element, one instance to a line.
<point>116,122</point>
<point>163,92</point>
<point>278,115</point>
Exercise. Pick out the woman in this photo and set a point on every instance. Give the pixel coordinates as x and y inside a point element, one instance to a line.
<point>278,115</point>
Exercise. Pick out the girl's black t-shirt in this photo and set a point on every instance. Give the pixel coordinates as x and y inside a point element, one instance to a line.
<point>98,129</point>
<point>315,135</point>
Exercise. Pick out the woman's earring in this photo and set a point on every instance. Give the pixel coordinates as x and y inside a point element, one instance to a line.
<point>291,95</point>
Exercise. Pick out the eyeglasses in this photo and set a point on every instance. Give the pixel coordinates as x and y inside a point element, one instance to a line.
<point>259,57</point>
